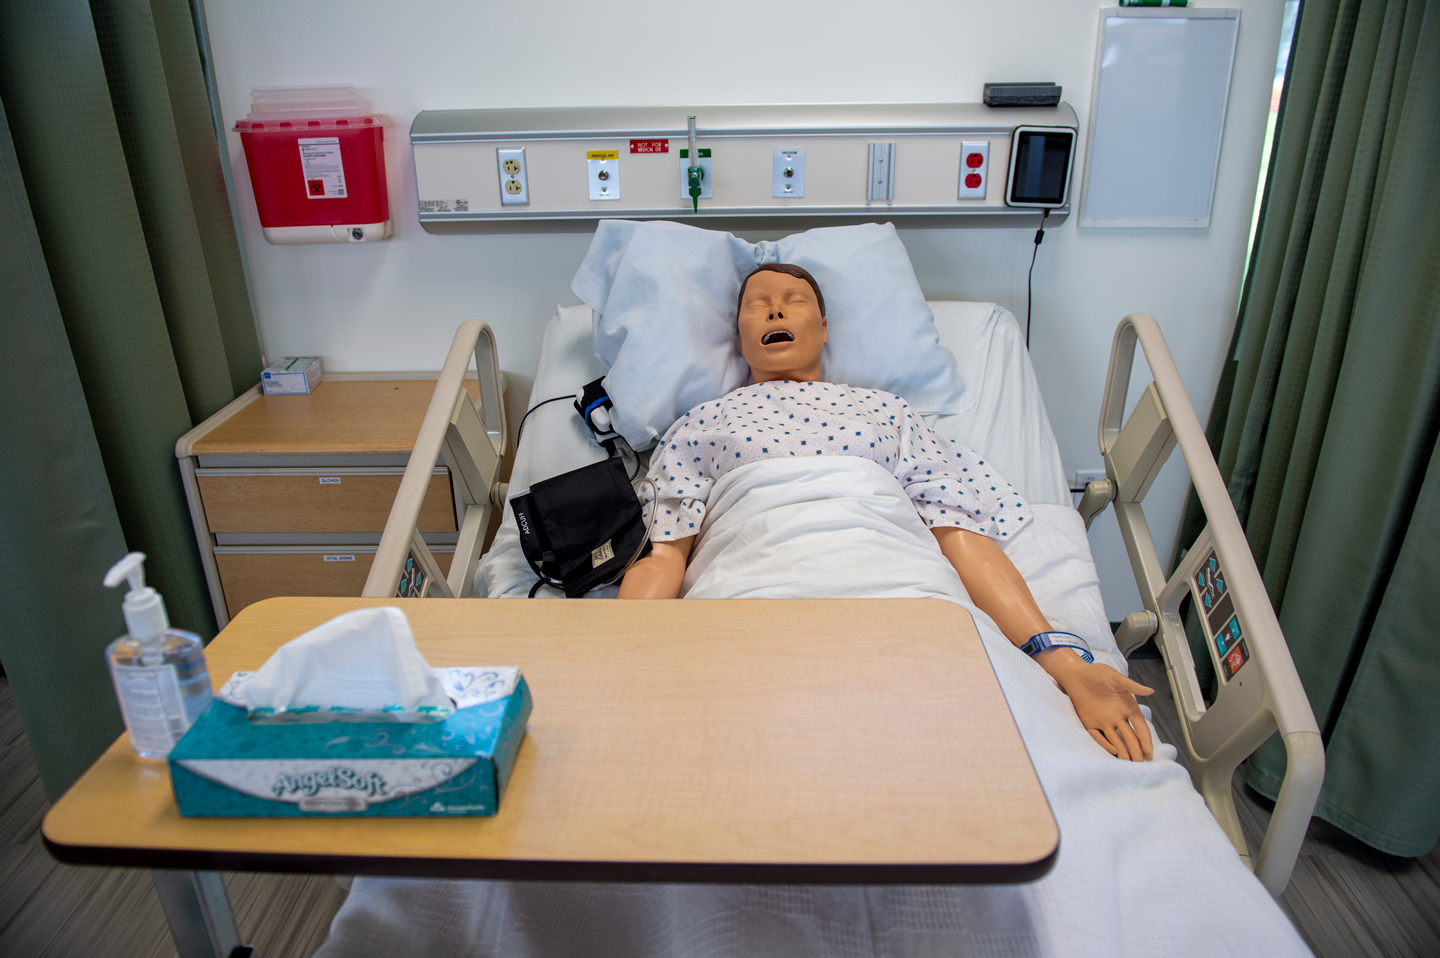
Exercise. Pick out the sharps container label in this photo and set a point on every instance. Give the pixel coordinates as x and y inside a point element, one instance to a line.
<point>324,173</point>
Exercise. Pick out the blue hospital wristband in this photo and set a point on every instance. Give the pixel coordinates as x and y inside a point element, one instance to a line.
<point>1056,640</point>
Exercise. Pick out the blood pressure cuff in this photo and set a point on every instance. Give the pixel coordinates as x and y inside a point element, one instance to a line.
<point>582,529</point>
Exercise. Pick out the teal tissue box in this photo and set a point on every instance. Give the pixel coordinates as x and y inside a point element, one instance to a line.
<point>229,767</point>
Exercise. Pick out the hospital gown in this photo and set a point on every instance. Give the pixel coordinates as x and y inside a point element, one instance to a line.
<point>949,484</point>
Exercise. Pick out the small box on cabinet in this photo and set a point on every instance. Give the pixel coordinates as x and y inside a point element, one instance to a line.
<point>291,376</point>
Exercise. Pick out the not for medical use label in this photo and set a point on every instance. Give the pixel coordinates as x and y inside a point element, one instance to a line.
<point>150,701</point>
<point>320,162</point>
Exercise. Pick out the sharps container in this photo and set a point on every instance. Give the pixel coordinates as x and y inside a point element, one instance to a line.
<point>317,164</point>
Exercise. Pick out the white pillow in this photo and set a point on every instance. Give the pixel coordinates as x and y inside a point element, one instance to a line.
<point>663,299</point>
<point>664,295</point>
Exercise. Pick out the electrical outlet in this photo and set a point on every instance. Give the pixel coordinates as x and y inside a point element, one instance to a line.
<point>603,174</point>
<point>974,169</point>
<point>882,172</point>
<point>788,177</point>
<point>514,190</point>
<point>705,183</point>
<point>1084,476</point>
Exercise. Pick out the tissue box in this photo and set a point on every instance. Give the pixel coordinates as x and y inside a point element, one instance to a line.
<point>229,767</point>
<point>291,376</point>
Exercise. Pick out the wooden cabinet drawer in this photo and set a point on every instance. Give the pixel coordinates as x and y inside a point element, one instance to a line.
<point>286,502</point>
<point>249,577</point>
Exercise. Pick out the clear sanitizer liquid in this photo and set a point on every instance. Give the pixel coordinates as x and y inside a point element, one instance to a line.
<point>159,672</point>
<point>162,690</point>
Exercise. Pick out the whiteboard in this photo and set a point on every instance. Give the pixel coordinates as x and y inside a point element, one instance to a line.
<point>1162,77</point>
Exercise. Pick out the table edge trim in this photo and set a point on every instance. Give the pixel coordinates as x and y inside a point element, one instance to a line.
<point>1003,873</point>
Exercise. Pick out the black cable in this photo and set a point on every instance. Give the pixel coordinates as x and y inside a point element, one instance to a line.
<point>520,430</point>
<point>1039,238</point>
<point>633,455</point>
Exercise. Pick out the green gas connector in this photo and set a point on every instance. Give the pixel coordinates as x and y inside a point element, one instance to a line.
<point>695,174</point>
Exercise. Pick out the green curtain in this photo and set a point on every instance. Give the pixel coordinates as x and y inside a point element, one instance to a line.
<point>129,321</point>
<point>1325,421</point>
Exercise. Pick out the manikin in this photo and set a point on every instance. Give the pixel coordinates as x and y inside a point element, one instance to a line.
<point>782,331</point>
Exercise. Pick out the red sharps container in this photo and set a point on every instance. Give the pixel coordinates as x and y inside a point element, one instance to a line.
<point>317,163</point>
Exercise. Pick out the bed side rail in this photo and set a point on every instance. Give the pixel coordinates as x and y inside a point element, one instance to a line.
<point>471,437</point>
<point>1259,691</point>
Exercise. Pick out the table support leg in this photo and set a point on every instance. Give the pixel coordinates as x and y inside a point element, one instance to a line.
<point>198,911</point>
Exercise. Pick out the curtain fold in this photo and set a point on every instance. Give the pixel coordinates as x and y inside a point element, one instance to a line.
<point>157,91</point>
<point>57,517</point>
<point>113,142</point>
<point>1324,424</point>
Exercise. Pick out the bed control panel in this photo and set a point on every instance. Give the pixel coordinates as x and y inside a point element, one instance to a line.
<point>1217,608</point>
<point>766,167</point>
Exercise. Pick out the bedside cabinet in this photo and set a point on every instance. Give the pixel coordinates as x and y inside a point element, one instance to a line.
<point>289,494</point>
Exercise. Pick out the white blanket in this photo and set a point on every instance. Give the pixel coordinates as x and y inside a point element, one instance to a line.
<point>1143,868</point>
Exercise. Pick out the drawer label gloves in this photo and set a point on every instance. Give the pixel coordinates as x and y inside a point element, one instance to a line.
<point>350,720</point>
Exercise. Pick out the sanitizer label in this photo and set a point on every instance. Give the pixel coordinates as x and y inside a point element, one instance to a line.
<point>324,173</point>
<point>150,702</point>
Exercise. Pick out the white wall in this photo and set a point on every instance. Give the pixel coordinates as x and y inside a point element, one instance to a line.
<point>394,305</point>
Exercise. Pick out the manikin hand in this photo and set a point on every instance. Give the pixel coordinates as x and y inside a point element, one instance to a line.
<point>1103,698</point>
<point>1105,701</point>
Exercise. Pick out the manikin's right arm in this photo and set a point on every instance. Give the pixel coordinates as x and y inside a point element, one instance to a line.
<point>659,574</point>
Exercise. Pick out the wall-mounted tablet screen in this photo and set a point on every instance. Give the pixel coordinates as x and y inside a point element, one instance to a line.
<point>1040,159</point>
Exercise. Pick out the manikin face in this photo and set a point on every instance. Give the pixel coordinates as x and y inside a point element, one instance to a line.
<point>781,329</point>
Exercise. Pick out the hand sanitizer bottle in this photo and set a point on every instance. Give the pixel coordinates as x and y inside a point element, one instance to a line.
<point>159,672</point>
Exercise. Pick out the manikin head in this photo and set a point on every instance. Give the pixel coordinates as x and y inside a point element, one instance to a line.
<point>781,316</point>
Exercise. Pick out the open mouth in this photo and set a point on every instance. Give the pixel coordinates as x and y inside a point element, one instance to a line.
<point>777,336</point>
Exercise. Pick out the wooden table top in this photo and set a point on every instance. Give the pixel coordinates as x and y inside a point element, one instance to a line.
<point>816,741</point>
<point>376,416</point>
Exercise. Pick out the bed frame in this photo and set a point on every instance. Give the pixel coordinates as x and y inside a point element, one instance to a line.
<point>1262,696</point>
<point>471,436</point>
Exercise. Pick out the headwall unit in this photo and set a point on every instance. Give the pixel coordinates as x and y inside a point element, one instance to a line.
<point>765,167</point>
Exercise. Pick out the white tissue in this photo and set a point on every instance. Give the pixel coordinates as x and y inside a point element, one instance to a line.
<point>360,663</point>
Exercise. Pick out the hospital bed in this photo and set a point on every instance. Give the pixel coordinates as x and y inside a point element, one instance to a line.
<point>1006,423</point>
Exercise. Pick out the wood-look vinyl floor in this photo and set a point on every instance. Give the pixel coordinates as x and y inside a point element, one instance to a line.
<point>1347,899</point>
<point>49,910</point>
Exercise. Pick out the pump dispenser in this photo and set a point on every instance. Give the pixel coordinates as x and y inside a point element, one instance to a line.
<point>159,672</point>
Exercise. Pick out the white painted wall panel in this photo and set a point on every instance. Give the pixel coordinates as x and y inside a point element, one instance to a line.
<point>395,304</point>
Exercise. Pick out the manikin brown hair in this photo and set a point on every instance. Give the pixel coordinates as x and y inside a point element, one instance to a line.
<point>786,268</point>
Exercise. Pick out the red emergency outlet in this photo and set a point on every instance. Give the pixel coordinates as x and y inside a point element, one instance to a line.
<point>974,169</point>
<point>316,157</point>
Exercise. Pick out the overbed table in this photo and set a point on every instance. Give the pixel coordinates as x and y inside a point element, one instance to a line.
<point>794,741</point>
